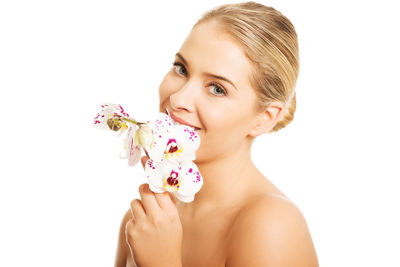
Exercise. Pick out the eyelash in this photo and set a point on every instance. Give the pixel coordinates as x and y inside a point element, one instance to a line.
<point>178,64</point>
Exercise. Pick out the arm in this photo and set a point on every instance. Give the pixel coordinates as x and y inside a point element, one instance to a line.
<point>122,247</point>
<point>271,232</point>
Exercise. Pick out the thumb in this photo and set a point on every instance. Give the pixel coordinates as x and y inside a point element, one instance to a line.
<point>144,160</point>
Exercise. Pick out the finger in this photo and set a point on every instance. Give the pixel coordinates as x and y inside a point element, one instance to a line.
<point>144,160</point>
<point>172,197</point>
<point>148,199</point>
<point>165,200</point>
<point>137,209</point>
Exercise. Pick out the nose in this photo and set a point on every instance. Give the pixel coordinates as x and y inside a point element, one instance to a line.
<point>184,98</point>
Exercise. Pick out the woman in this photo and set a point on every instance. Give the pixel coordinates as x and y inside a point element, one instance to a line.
<point>233,79</point>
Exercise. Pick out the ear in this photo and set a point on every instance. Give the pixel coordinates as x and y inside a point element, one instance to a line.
<point>266,120</point>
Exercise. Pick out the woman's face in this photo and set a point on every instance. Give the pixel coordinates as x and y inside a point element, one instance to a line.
<point>209,88</point>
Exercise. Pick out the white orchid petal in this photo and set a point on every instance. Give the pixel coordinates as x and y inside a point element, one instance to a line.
<point>182,179</point>
<point>156,152</point>
<point>134,156</point>
<point>190,140</point>
<point>114,108</point>
<point>124,151</point>
<point>100,121</point>
<point>183,139</point>
<point>133,151</point>
<point>155,173</point>
<point>107,111</point>
<point>161,127</point>
<point>183,198</point>
<point>156,189</point>
<point>191,183</point>
<point>171,148</point>
<point>129,150</point>
<point>165,119</point>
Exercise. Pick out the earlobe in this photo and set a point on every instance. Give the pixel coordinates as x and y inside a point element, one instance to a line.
<point>266,120</point>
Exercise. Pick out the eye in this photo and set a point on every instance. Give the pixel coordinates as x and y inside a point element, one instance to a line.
<point>217,90</point>
<point>179,68</point>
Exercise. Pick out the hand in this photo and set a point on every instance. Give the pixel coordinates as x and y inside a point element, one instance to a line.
<point>154,234</point>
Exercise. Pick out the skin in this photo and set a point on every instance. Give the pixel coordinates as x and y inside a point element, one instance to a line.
<point>155,234</point>
<point>238,218</point>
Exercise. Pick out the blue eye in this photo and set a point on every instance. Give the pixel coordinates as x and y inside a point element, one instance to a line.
<point>217,90</point>
<point>179,69</point>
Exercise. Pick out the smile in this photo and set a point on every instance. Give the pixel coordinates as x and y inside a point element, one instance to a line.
<point>181,121</point>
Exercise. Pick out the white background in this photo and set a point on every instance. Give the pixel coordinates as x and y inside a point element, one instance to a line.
<point>63,188</point>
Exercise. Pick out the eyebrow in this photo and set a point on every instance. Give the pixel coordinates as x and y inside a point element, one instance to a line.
<point>207,73</point>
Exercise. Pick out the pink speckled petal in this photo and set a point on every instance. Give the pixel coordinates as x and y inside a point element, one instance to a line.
<point>130,151</point>
<point>155,172</point>
<point>134,156</point>
<point>190,178</point>
<point>134,152</point>
<point>161,127</point>
<point>107,111</point>
<point>191,183</point>
<point>190,140</point>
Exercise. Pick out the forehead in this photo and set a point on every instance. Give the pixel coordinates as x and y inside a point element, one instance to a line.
<point>208,49</point>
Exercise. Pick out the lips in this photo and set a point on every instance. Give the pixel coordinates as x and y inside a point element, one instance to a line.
<point>180,121</point>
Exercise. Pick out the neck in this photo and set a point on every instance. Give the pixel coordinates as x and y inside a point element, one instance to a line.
<point>226,180</point>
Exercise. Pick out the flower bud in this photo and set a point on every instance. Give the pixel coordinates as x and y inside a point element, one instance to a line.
<point>144,137</point>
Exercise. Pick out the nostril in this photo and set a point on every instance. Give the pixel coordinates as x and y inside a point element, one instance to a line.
<point>179,102</point>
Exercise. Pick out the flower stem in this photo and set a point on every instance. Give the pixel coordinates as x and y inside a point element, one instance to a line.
<point>133,121</point>
<point>145,151</point>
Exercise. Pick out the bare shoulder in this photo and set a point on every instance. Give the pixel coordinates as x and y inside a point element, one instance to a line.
<point>270,231</point>
<point>122,247</point>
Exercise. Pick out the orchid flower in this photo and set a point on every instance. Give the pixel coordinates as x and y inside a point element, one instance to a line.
<point>135,139</point>
<point>172,141</point>
<point>170,146</point>
<point>183,179</point>
<point>144,137</point>
<point>113,117</point>
<point>131,150</point>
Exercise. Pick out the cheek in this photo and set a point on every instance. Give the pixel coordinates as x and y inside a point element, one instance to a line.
<point>224,122</point>
<point>227,125</point>
<point>227,116</point>
<point>223,136</point>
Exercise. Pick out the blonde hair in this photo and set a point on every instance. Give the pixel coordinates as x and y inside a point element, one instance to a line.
<point>269,40</point>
